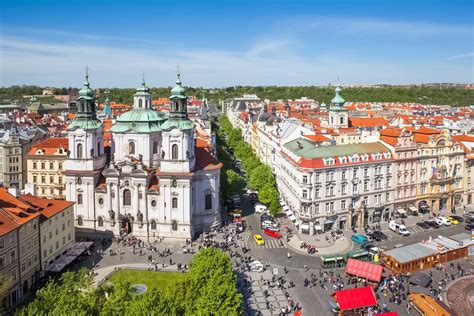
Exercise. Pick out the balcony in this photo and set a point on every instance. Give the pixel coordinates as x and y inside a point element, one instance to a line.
<point>439,181</point>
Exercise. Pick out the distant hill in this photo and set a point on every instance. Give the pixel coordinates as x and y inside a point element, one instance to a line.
<point>455,96</point>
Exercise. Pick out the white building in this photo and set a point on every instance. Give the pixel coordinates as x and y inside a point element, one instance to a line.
<point>157,183</point>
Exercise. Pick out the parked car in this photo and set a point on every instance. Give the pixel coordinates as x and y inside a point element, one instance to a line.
<point>266,217</point>
<point>260,208</point>
<point>379,234</point>
<point>266,224</point>
<point>469,215</point>
<point>469,227</point>
<point>432,224</point>
<point>253,197</point>
<point>256,266</point>
<point>423,225</point>
<point>456,217</point>
<point>399,228</point>
<point>469,220</point>
<point>359,239</point>
<point>259,239</point>
<point>271,233</point>
<point>453,221</point>
<point>423,207</point>
<point>374,236</point>
<point>441,220</point>
<point>239,226</point>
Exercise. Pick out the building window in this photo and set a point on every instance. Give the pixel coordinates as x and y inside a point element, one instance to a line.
<point>208,201</point>
<point>174,151</point>
<point>51,179</point>
<point>305,194</point>
<point>343,188</point>
<point>79,152</point>
<point>155,147</point>
<point>43,165</point>
<point>100,221</point>
<point>153,203</point>
<point>316,192</point>
<point>140,103</point>
<point>79,221</point>
<point>51,165</point>
<point>35,165</point>
<point>153,224</point>
<point>174,203</point>
<point>79,199</point>
<point>174,225</point>
<point>35,178</point>
<point>127,197</point>
<point>341,120</point>
<point>305,179</point>
<point>101,201</point>
<point>343,204</point>
<point>131,148</point>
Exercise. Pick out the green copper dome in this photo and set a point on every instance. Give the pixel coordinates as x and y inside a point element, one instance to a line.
<point>139,120</point>
<point>178,91</point>
<point>338,99</point>
<point>86,92</point>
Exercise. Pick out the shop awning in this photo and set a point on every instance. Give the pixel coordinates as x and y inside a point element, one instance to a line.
<point>318,227</point>
<point>286,208</point>
<point>288,212</point>
<point>305,226</point>
<point>55,267</point>
<point>292,218</point>
<point>413,209</point>
<point>355,298</point>
<point>364,269</point>
<point>401,211</point>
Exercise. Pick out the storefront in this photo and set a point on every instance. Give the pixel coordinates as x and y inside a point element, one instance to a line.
<point>377,214</point>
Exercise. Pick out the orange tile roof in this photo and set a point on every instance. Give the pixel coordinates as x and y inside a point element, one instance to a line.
<point>423,130</point>
<point>47,207</point>
<point>50,145</point>
<point>389,140</point>
<point>368,121</point>
<point>421,138</point>
<point>7,224</point>
<point>21,212</point>
<point>160,101</point>
<point>392,132</point>
<point>317,138</point>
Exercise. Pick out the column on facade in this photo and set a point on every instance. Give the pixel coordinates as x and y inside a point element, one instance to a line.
<point>115,187</point>
<point>135,198</point>
<point>108,199</point>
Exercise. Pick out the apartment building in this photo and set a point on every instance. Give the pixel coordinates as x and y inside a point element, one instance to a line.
<point>9,258</point>
<point>45,166</point>
<point>339,186</point>
<point>12,162</point>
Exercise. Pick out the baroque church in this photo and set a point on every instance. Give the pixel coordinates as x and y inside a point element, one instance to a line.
<point>157,181</point>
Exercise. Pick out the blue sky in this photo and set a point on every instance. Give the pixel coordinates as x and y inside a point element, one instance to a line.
<point>225,43</point>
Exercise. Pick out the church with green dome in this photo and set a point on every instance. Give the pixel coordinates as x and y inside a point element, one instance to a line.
<point>153,182</point>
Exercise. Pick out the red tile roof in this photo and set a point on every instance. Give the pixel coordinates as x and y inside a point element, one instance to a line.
<point>317,138</point>
<point>423,130</point>
<point>7,224</point>
<point>47,207</point>
<point>421,138</point>
<point>368,121</point>
<point>389,140</point>
<point>49,146</point>
<point>21,212</point>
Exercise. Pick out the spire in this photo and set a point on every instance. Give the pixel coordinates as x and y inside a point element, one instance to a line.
<point>86,117</point>
<point>178,92</point>
<point>86,92</point>
<point>107,107</point>
<point>338,101</point>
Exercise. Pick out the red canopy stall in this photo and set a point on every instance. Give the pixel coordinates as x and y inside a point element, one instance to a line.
<point>355,298</point>
<point>363,269</point>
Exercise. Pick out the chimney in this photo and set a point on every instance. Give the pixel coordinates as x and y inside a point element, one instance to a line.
<point>30,188</point>
<point>13,190</point>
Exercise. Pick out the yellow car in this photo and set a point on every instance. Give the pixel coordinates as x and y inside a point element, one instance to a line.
<point>259,240</point>
<point>235,212</point>
<point>453,221</point>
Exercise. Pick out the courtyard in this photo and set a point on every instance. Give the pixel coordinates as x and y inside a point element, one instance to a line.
<point>151,279</point>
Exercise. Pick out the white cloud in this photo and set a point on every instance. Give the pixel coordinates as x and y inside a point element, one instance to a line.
<point>467,55</point>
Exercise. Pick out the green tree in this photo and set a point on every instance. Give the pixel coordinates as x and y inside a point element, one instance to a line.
<point>261,176</point>
<point>5,284</point>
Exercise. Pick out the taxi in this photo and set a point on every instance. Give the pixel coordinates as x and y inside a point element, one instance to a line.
<point>259,240</point>
<point>453,220</point>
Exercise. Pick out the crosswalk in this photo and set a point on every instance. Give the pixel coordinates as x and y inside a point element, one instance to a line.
<point>270,243</point>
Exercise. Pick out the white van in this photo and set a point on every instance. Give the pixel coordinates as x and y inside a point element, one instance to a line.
<point>441,220</point>
<point>399,228</point>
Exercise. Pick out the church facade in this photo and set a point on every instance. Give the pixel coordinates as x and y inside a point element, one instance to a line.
<point>155,182</point>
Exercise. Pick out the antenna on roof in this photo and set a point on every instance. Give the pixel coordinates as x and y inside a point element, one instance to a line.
<point>87,71</point>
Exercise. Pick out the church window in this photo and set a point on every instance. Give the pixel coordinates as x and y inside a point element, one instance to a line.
<point>79,180</point>
<point>174,183</point>
<point>101,201</point>
<point>140,103</point>
<point>79,199</point>
<point>155,147</point>
<point>174,203</point>
<point>99,148</point>
<point>127,197</point>
<point>341,120</point>
<point>208,201</point>
<point>153,224</point>
<point>174,152</point>
<point>332,120</point>
<point>153,203</point>
<point>131,148</point>
<point>79,153</point>
<point>79,221</point>
<point>100,221</point>
<point>174,225</point>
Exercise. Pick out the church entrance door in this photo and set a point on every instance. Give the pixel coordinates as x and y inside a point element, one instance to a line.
<point>126,227</point>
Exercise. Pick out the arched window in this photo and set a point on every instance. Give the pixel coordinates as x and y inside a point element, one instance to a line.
<point>155,147</point>
<point>174,203</point>
<point>174,225</point>
<point>79,221</point>
<point>153,224</point>
<point>174,151</point>
<point>174,183</point>
<point>341,120</point>
<point>127,197</point>
<point>100,221</point>
<point>131,148</point>
<point>79,151</point>
<point>79,199</point>
<point>332,120</point>
<point>140,103</point>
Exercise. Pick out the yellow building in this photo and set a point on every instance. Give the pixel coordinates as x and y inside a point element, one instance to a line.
<point>441,171</point>
<point>45,165</point>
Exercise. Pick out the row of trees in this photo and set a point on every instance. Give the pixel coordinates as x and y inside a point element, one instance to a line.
<point>208,289</point>
<point>455,96</point>
<point>259,176</point>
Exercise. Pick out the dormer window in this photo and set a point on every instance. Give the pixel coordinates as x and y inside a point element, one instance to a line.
<point>329,161</point>
<point>355,158</point>
<point>343,159</point>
